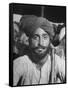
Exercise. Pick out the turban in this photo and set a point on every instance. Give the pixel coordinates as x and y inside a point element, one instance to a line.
<point>29,23</point>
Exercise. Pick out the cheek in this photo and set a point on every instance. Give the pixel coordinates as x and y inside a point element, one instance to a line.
<point>34,43</point>
<point>46,42</point>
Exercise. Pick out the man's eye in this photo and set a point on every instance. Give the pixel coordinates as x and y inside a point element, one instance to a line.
<point>44,37</point>
<point>35,37</point>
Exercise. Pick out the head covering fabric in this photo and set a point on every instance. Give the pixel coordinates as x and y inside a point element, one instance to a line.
<point>29,23</point>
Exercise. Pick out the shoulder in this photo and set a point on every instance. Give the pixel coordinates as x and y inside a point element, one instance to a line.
<point>21,60</point>
<point>21,63</point>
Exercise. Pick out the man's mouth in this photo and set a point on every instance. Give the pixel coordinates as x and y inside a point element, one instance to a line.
<point>40,50</point>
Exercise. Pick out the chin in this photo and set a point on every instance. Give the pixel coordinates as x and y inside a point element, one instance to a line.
<point>40,55</point>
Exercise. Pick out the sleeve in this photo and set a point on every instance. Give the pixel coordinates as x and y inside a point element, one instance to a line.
<point>18,71</point>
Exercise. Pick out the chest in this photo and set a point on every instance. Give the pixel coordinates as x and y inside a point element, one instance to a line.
<point>33,75</point>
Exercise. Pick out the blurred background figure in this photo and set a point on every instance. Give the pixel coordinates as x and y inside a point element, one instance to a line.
<point>15,39</point>
<point>59,39</point>
<point>20,41</point>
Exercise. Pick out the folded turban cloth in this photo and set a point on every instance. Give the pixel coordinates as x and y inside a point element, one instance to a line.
<point>29,23</point>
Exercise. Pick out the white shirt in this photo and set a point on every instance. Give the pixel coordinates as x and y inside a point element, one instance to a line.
<point>25,72</point>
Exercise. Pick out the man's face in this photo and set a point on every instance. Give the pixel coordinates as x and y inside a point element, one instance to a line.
<point>39,42</point>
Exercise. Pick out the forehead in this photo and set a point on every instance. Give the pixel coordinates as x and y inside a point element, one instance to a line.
<point>40,31</point>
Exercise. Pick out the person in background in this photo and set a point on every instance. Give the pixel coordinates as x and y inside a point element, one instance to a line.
<point>15,39</point>
<point>59,40</point>
<point>20,39</point>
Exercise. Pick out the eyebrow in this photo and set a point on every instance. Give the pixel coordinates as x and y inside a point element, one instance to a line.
<point>36,35</point>
<point>44,34</point>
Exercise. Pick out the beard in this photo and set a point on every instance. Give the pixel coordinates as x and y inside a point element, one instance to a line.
<point>41,51</point>
<point>38,53</point>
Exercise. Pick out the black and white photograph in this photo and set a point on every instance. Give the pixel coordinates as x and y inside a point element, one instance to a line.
<point>37,44</point>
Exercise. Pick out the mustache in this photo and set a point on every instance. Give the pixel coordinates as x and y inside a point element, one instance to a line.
<point>40,47</point>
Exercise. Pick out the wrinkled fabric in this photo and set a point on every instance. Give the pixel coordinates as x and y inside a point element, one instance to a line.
<point>25,72</point>
<point>29,23</point>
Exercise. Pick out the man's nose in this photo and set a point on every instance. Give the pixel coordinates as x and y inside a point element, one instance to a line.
<point>40,41</point>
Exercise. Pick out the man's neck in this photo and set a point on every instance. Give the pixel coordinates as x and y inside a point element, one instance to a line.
<point>41,63</point>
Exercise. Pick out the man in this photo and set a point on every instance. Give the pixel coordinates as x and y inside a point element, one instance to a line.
<point>37,66</point>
